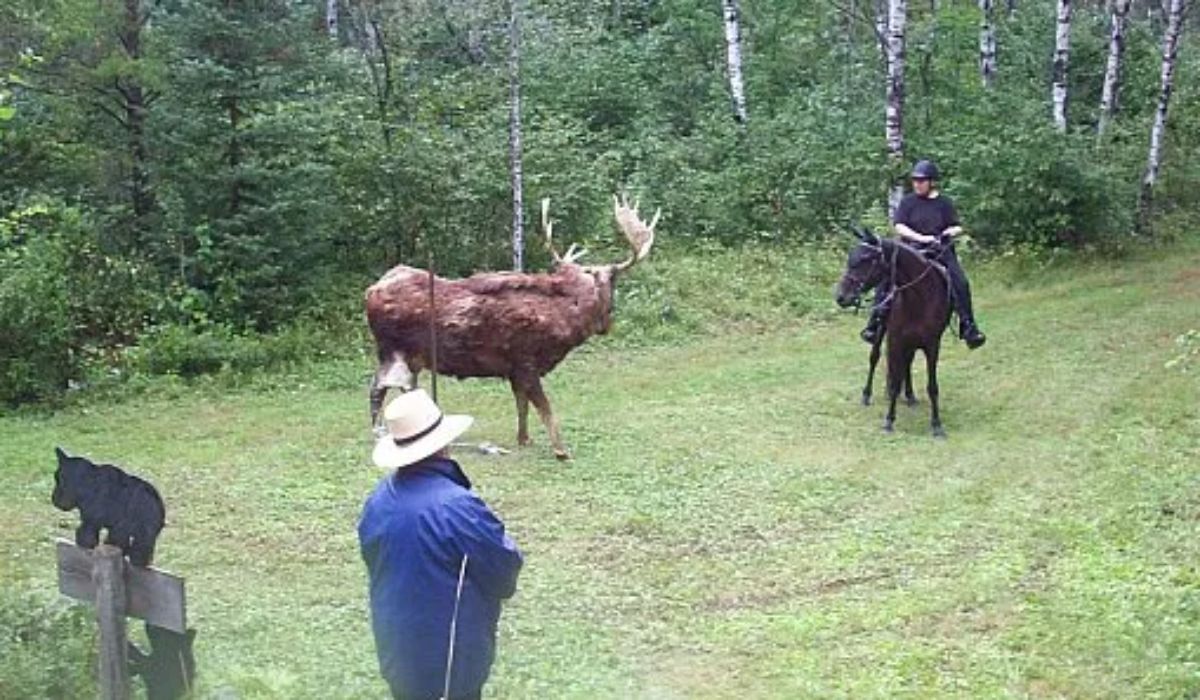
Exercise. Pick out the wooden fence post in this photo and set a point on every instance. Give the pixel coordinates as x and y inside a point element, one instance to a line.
<point>108,574</point>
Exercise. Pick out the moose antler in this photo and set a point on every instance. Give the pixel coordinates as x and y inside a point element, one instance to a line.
<point>548,227</point>
<point>638,234</point>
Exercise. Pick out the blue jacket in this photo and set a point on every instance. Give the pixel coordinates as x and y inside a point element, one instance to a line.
<point>415,528</point>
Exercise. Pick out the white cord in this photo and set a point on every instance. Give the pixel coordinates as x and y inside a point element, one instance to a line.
<point>462,574</point>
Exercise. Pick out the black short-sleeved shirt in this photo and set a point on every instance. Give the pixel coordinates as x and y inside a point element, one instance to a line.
<point>927,216</point>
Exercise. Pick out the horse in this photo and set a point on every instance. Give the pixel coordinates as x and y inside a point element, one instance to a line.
<point>919,313</point>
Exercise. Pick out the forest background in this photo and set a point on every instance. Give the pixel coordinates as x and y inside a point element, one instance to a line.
<point>192,187</point>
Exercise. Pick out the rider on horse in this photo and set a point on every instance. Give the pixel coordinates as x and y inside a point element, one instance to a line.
<point>927,220</point>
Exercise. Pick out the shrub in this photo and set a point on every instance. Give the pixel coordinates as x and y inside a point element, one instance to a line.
<point>48,647</point>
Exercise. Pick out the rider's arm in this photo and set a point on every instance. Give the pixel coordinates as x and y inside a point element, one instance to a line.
<point>953,231</point>
<point>907,233</point>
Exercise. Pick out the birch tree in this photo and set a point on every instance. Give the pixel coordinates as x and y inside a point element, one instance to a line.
<point>1062,54</point>
<point>514,133</point>
<point>1112,72</point>
<point>733,54</point>
<point>987,42</point>
<point>1170,50</point>
<point>894,110</point>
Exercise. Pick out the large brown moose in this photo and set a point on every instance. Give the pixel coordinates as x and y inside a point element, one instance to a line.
<point>497,324</point>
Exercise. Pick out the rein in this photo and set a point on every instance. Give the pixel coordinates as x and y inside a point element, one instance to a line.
<point>892,266</point>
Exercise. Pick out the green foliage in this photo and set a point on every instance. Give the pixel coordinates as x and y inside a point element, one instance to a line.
<point>48,646</point>
<point>35,320</point>
<point>59,294</point>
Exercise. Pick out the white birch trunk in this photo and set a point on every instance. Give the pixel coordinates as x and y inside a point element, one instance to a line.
<point>733,52</point>
<point>1112,72</point>
<point>1062,55</point>
<point>514,134</point>
<point>987,42</point>
<point>331,18</point>
<point>894,110</point>
<point>1170,49</point>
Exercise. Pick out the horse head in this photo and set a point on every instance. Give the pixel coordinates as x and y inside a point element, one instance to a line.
<point>865,268</point>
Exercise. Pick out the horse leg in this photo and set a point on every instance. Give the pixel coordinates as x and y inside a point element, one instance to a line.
<point>393,371</point>
<point>896,372</point>
<point>522,412</point>
<point>532,388</point>
<point>874,360</point>
<point>935,419</point>
<point>910,399</point>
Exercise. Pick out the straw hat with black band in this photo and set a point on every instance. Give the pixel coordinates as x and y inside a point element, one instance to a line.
<point>416,428</point>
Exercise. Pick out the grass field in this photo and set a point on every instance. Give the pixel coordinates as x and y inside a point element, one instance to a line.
<point>734,525</point>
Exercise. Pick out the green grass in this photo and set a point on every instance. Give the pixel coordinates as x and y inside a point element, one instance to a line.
<point>734,524</point>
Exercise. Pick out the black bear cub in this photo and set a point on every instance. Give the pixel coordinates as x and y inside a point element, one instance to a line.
<point>127,507</point>
<point>169,668</point>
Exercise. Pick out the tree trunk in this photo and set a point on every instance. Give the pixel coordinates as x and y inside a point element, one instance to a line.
<point>1062,54</point>
<point>331,18</point>
<point>1112,73</point>
<point>136,103</point>
<point>894,110</point>
<point>514,133</point>
<point>733,52</point>
<point>987,42</point>
<point>1170,49</point>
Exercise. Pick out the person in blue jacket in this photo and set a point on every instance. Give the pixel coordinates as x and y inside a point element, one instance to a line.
<point>436,556</point>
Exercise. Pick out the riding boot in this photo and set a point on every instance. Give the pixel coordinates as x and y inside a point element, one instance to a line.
<point>970,333</point>
<point>874,330</point>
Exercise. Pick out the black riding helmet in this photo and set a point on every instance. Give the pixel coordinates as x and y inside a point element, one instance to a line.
<point>925,170</point>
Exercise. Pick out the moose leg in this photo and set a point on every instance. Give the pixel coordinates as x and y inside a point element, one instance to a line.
<point>874,360</point>
<point>393,371</point>
<point>935,419</point>
<point>533,390</point>
<point>522,412</point>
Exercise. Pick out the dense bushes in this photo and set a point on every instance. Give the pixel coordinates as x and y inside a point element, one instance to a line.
<point>48,647</point>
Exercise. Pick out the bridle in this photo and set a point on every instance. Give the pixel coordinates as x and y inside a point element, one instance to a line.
<point>892,263</point>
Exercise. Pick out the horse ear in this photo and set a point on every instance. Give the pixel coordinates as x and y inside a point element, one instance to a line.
<point>858,231</point>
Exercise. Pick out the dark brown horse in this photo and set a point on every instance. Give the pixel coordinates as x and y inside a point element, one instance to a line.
<point>919,313</point>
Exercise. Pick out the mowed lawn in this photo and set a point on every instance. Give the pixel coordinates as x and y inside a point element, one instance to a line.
<point>734,524</point>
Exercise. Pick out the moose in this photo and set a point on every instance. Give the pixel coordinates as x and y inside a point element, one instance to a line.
<point>498,324</point>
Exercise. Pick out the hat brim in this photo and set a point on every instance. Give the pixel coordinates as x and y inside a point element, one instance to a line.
<point>388,455</point>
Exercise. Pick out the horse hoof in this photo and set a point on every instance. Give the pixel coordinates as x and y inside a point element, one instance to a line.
<point>938,433</point>
<point>866,399</point>
<point>887,428</point>
<point>562,455</point>
<point>911,401</point>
